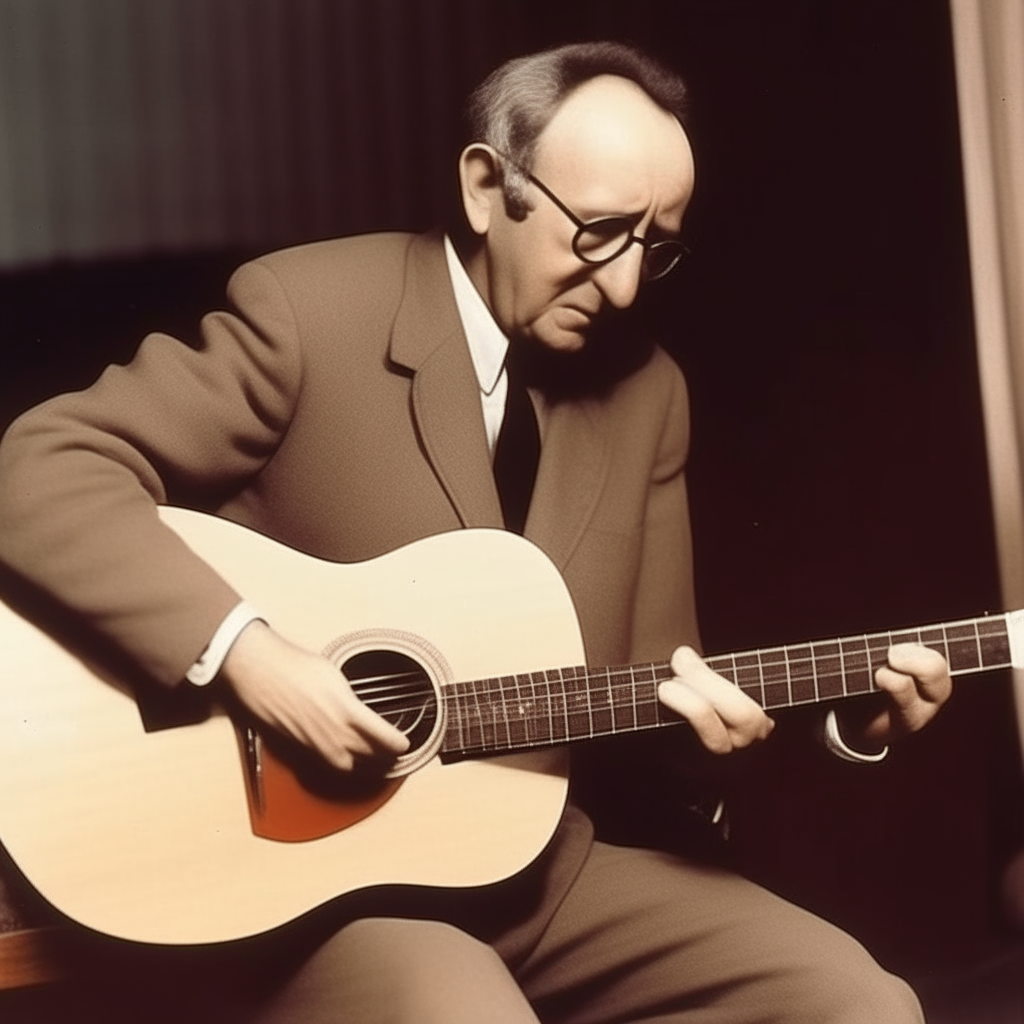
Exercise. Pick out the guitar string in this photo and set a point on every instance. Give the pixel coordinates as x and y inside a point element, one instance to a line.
<point>660,670</point>
<point>758,661</point>
<point>624,692</point>
<point>624,680</point>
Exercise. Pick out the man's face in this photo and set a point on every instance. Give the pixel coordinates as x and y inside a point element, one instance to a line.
<point>609,150</point>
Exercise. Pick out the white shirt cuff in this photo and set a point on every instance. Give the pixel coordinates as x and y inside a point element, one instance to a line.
<point>210,661</point>
<point>837,746</point>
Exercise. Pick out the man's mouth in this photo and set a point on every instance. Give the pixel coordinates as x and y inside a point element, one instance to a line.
<point>577,319</point>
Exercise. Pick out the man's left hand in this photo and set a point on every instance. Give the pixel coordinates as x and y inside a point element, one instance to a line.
<point>917,683</point>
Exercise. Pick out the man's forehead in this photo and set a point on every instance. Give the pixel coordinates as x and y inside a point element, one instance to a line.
<point>610,137</point>
<point>609,117</point>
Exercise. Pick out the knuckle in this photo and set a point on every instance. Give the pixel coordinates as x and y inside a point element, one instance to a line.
<point>752,716</point>
<point>718,741</point>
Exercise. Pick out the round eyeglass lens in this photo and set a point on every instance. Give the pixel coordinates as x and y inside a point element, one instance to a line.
<point>661,258</point>
<point>602,240</point>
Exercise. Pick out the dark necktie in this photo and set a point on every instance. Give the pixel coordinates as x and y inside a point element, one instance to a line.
<point>517,450</point>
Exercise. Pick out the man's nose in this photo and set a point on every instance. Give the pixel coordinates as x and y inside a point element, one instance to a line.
<point>619,280</point>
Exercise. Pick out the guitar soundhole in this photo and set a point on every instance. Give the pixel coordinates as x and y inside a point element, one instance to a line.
<point>398,689</point>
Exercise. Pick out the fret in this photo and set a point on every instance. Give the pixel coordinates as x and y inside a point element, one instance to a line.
<point>534,715</point>
<point>842,667</point>
<point>883,650</point>
<point>474,722</point>
<point>774,679</point>
<point>803,683</point>
<point>542,731</point>
<point>577,704</point>
<point>789,678</point>
<point>516,713</point>
<point>828,668</point>
<point>496,718</point>
<point>962,644</point>
<point>559,708</point>
<point>913,636</point>
<point>856,658</point>
<point>622,686</point>
<point>814,672</point>
<point>748,675</point>
<point>995,642</point>
<point>636,713</point>
<point>723,665</point>
<point>456,717</point>
<point>600,705</point>
<point>483,714</point>
<point>500,712</point>
<point>647,705</point>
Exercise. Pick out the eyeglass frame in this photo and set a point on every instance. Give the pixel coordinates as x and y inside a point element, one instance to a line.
<point>582,225</point>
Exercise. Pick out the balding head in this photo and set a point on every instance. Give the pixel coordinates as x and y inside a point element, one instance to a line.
<point>608,151</point>
<point>517,101</point>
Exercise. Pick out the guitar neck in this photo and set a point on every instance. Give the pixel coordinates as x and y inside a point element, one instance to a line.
<point>540,709</point>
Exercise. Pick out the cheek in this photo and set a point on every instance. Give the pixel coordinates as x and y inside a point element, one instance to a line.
<point>560,329</point>
<point>533,297</point>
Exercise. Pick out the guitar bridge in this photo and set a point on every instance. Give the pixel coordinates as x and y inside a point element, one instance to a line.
<point>253,759</point>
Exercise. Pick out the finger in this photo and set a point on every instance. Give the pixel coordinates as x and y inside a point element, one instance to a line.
<point>697,710</point>
<point>927,666</point>
<point>901,688</point>
<point>321,728</point>
<point>917,682</point>
<point>381,734</point>
<point>742,715</point>
<point>909,711</point>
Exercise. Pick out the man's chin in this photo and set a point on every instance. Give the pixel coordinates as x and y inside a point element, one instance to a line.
<point>565,341</point>
<point>573,363</point>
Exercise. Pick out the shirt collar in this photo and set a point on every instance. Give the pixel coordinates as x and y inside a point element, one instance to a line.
<point>487,345</point>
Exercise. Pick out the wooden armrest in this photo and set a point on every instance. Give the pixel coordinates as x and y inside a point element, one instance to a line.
<point>31,956</point>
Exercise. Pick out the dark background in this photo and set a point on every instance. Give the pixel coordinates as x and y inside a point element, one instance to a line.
<point>824,324</point>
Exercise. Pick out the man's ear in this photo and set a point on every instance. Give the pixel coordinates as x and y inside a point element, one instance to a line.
<point>481,189</point>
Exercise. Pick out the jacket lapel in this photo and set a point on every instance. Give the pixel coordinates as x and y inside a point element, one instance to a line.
<point>571,476</point>
<point>427,338</point>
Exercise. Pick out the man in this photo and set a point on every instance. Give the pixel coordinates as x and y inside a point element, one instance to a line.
<point>353,401</point>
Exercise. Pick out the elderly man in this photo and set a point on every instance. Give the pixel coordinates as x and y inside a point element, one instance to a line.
<point>353,400</point>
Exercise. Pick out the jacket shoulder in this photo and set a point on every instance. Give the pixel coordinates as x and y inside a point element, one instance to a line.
<point>335,254</point>
<point>361,276</point>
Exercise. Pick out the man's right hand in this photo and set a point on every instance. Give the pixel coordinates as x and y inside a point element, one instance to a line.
<point>304,697</point>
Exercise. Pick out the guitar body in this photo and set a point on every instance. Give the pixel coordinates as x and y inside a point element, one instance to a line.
<point>147,835</point>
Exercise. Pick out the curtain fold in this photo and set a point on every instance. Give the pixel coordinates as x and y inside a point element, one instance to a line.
<point>134,126</point>
<point>989,51</point>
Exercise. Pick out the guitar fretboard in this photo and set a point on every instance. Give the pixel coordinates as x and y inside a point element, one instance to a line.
<point>555,706</point>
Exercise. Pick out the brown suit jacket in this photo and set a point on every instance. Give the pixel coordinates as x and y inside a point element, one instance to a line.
<point>336,409</point>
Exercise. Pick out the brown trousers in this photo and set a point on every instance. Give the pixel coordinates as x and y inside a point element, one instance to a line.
<point>639,936</point>
<point>590,934</point>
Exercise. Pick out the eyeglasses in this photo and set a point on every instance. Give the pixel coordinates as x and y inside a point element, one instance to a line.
<point>602,240</point>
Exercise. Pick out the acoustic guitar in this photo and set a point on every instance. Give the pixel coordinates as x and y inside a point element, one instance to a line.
<point>468,642</point>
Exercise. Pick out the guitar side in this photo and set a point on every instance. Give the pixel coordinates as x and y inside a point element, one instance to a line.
<point>146,836</point>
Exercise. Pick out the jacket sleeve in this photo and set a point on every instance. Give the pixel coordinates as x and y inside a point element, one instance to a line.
<point>639,788</point>
<point>664,604</point>
<point>82,474</point>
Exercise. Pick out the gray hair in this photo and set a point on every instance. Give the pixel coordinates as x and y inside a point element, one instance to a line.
<point>517,101</point>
